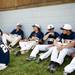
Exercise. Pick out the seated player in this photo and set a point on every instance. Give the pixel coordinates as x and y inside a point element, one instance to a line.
<point>4,53</point>
<point>15,36</point>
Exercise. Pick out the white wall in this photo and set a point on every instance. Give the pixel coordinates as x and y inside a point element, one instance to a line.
<point>56,14</point>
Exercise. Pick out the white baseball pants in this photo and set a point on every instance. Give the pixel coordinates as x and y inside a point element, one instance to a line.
<point>59,56</point>
<point>27,45</point>
<point>39,48</point>
<point>71,67</point>
<point>12,38</point>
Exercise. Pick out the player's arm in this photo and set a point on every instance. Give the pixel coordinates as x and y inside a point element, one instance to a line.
<point>70,44</point>
<point>46,36</point>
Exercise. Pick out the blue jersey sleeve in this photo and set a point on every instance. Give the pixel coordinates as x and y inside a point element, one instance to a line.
<point>57,35</point>
<point>13,32</point>
<point>32,33</point>
<point>41,35</point>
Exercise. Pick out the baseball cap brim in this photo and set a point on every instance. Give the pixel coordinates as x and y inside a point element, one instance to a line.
<point>65,29</point>
<point>62,28</point>
<point>19,25</point>
<point>35,26</point>
<point>50,28</point>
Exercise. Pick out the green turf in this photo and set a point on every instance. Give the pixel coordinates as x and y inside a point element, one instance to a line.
<point>19,66</point>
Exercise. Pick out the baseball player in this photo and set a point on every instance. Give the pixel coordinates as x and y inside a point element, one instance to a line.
<point>4,54</point>
<point>15,36</point>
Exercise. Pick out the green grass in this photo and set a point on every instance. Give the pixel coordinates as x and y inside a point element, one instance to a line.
<point>19,66</point>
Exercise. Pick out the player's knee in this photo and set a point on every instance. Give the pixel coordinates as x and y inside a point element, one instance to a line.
<point>68,69</point>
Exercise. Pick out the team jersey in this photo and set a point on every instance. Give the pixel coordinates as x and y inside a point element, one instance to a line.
<point>4,53</point>
<point>67,37</point>
<point>51,37</point>
<point>20,32</point>
<point>39,35</point>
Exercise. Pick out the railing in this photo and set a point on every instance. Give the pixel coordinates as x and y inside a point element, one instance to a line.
<point>18,4</point>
